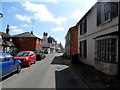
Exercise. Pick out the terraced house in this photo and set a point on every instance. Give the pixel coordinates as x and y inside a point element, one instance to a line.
<point>98,37</point>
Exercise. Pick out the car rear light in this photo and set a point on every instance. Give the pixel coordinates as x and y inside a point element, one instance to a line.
<point>26,59</point>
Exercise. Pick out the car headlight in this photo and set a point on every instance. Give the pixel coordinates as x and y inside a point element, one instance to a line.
<point>26,59</point>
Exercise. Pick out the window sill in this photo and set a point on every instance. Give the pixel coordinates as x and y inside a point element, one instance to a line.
<point>105,61</point>
<point>105,22</point>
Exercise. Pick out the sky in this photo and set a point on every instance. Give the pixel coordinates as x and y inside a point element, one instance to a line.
<point>52,16</point>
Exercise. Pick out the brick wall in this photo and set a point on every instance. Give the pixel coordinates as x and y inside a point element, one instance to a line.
<point>73,40</point>
<point>25,43</point>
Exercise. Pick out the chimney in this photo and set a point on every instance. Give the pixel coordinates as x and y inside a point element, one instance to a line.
<point>32,32</point>
<point>7,29</point>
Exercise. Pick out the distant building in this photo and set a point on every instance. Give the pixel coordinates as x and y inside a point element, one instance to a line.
<point>98,37</point>
<point>48,43</point>
<point>59,48</point>
<point>71,45</point>
<point>67,44</point>
<point>27,41</point>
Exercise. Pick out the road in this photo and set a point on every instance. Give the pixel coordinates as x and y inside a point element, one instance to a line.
<point>47,73</point>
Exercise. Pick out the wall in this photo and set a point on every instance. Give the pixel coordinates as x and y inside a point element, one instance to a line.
<point>38,44</point>
<point>25,43</point>
<point>73,41</point>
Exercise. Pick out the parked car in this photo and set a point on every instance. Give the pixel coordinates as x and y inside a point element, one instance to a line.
<point>8,64</point>
<point>26,57</point>
<point>39,54</point>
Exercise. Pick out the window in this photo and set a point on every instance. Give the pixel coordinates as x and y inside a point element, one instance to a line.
<point>83,26</point>
<point>8,57</point>
<point>20,39</point>
<point>2,59</point>
<point>99,5</point>
<point>83,48</point>
<point>105,50</point>
<point>108,11</point>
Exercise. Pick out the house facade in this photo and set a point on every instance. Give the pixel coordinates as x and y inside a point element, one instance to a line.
<point>67,44</point>
<point>71,45</point>
<point>27,41</point>
<point>98,37</point>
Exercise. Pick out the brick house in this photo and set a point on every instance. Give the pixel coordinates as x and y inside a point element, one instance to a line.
<point>71,46</point>
<point>27,41</point>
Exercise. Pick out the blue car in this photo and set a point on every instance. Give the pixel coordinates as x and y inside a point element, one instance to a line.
<point>8,64</point>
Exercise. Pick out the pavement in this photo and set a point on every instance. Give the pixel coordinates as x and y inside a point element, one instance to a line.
<point>92,77</point>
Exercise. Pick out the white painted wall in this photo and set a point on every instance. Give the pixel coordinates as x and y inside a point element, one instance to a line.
<point>92,32</point>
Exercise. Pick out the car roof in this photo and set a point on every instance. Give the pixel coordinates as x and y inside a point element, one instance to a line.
<point>3,53</point>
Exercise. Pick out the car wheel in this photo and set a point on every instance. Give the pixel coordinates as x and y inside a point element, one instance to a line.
<point>18,68</point>
<point>29,64</point>
<point>34,62</point>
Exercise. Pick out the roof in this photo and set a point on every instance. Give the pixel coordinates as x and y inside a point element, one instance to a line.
<point>4,34</point>
<point>8,43</point>
<point>25,34</point>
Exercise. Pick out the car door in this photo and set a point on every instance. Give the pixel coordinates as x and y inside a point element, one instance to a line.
<point>11,61</point>
<point>4,66</point>
<point>12,64</point>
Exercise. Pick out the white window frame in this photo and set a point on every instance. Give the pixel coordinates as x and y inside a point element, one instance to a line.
<point>101,50</point>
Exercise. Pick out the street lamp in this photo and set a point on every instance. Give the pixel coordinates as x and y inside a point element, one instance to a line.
<point>1,15</point>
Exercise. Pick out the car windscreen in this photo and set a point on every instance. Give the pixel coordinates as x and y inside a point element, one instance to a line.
<point>6,55</point>
<point>23,54</point>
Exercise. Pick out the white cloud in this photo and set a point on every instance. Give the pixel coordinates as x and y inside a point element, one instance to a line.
<point>77,14</point>
<point>23,18</point>
<point>16,30</point>
<point>57,29</point>
<point>26,25</point>
<point>42,13</point>
<point>53,1</point>
<point>89,3</point>
<point>12,7</point>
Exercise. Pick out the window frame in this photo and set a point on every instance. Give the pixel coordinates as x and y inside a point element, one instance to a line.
<point>103,50</point>
<point>83,48</point>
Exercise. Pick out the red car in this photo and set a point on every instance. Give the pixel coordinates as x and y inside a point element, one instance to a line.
<point>26,57</point>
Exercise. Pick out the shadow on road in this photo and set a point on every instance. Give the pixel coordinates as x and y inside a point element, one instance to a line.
<point>64,76</point>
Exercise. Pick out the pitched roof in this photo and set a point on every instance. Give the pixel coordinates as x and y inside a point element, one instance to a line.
<point>25,34</point>
<point>4,34</point>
